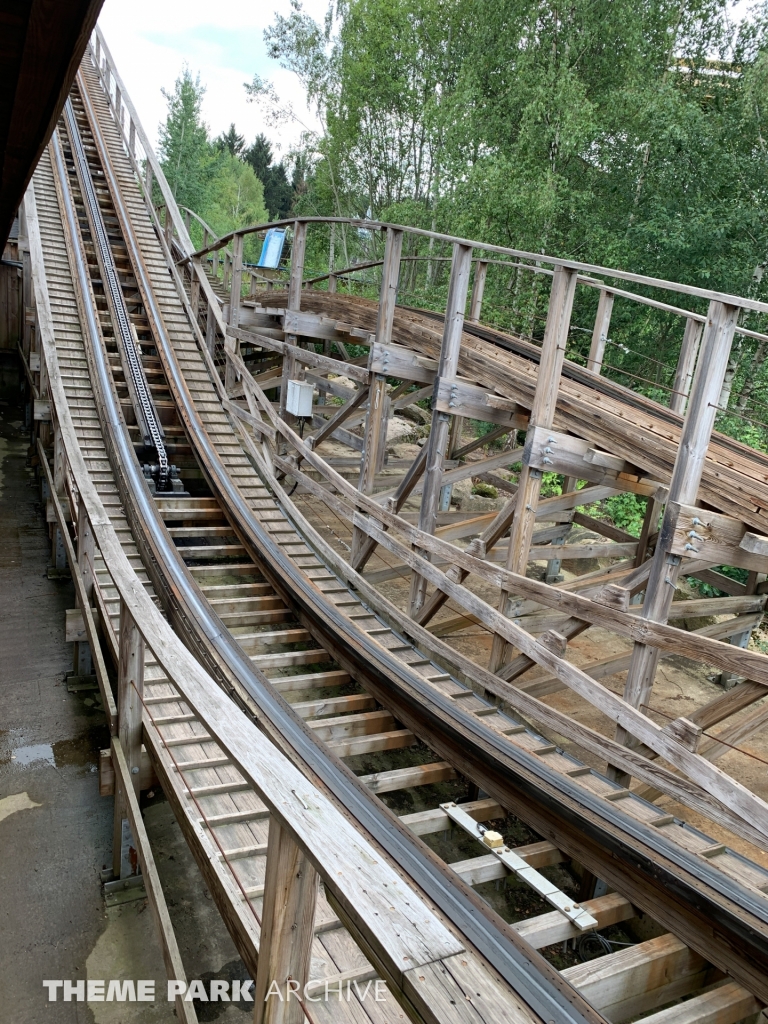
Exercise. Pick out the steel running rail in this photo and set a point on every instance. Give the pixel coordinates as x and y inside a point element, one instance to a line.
<point>138,377</point>
<point>522,967</point>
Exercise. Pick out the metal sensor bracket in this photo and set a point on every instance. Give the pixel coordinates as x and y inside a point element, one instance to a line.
<point>559,900</point>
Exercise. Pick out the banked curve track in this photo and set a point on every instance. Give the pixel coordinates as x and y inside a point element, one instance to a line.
<point>505,771</point>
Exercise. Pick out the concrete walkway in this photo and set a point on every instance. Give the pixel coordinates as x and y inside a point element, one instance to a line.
<point>55,829</point>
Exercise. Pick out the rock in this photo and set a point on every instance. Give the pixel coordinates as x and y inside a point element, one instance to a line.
<point>397,430</point>
<point>404,450</point>
<point>416,414</point>
<point>485,490</point>
<point>344,382</point>
<point>461,493</point>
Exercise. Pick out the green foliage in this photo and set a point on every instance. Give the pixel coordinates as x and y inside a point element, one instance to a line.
<point>480,429</point>
<point>235,200</point>
<point>626,512</point>
<point>708,590</point>
<point>185,150</point>
<point>278,191</point>
<point>630,135</point>
<point>484,490</point>
<point>231,141</point>
<point>551,485</point>
<point>226,183</point>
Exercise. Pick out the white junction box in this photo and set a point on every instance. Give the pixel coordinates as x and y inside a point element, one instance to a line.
<point>298,402</point>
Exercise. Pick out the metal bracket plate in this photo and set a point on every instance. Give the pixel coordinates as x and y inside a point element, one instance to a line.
<point>559,900</point>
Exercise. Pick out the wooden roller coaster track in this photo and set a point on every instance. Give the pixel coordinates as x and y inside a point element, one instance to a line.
<point>339,770</point>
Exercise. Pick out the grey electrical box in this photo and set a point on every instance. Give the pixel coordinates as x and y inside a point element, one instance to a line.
<point>298,401</point>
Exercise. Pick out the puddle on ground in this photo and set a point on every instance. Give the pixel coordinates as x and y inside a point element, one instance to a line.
<point>83,750</point>
<point>79,752</point>
<point>32,753</point>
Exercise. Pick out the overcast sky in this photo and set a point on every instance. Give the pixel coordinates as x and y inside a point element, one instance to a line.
<point>151,40</point>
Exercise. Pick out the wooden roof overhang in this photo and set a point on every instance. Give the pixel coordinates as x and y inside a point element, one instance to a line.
<point>41,44</point>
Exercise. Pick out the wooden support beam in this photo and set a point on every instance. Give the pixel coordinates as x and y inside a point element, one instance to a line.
<point>717,538</point>
<point>685,365</point>
<point>287,931</point>
<point>375,439</point>
<point>727,1004</point>
<point>457,397</point>
<point>90,624</point>
<point>746,810</point>
<point>478,288</point>
<point>375,427</point>
<point>346,410</point>
<point>236,281</point>
<point>85,556</point>
<point>298,254</point>
<point>649,529</point>
<point>683,490</point>
<point>437,444</point>
<point>667,638</point>
<point>640,978</point>
<point>600,331</point>
<point>542,415</point>
<point>403,491</point>
<point>403,363</point>
<point>405,778</point>
<point>547,929</point>
<point>130,689</point>
<point>174,966</point>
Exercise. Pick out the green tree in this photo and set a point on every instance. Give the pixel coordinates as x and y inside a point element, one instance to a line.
<point>231,142</point>
<point>278,191</point>
<point>185,151</point>
<point>627,134</point>
<point>236,196</point>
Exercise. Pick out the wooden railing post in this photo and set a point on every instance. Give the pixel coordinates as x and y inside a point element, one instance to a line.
<point>600,332</point>
<point>461,266</point>
<point>85,554</point>
<point>683,489</point>
<point>59,460</point>
<point>298,253</point>
<point>149,181</point>
<point>542,415</point>
<point>287,931</point>
<point>132,138</point>
<point>375,442</point>
<point>130,690</point>
<point>236,278</point>
<point>685,365</point>
<point>194,291</point>
<point>478,289</point>
<point>237,281</point>
<point>58,549</point>
<point>210,331</point>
